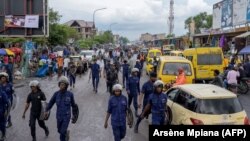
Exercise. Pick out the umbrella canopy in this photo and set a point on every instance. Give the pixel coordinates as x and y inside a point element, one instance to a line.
<point>3,52</point>
<point>58,48</point>
<point>16,50</point>
<point>9,52</point>
<point>245,50</point>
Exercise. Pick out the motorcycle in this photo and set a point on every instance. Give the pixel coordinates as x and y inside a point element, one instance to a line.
<point>243,86</point>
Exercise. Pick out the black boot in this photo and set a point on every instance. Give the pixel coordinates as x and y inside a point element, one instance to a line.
<point>137,124</point>
<point>46,131</point>
<point>34,139</point>
<point>2,138</point>
<point>67,135</point>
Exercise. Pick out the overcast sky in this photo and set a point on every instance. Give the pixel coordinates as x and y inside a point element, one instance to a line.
<point>133,17</point>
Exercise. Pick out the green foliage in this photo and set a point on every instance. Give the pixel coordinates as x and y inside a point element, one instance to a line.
<point>170,35</point>
<point>202,20</point>
<point>60,34</point>
<point>106,37</point>
<point>40,41</point>
<point>54,16</point>
<point>124,40</point>
<point>12,40</point>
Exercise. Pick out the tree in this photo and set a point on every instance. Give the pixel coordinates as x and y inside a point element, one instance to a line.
<point>106,37</point>
<point>170,35</point>
<point>202,20</point>
<point>124,40</point>
<point>54,16</point>
<point>60,34</point>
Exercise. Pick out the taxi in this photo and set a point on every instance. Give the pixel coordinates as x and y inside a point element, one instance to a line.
<point>204,104</point>
<point>176,53</point>
<point>168,66</point>
<point>150,57</point>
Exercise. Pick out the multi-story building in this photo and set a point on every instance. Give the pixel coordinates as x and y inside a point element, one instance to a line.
<point>150,37</point>
<point>146,37</point>
<point>85,28</point>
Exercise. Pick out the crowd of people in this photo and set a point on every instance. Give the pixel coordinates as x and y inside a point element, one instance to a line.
<point>150,97</point>
<point>107,65</point>
<point>234,72</point>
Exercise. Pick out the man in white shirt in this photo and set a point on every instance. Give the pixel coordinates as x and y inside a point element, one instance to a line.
<point>66,66</point>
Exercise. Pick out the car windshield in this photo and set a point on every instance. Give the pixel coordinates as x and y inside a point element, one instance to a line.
<point>151,55</point>
<point>219,106</point>
<point>172,68</point>
<point>158,54</point>
<point>86,53</point>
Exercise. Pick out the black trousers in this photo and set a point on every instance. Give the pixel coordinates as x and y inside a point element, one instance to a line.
<point>110,86</point>
<point>32,124</point>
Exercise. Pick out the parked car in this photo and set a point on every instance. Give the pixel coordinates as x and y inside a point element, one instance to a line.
<point>76,61</point>
<point>89,55</point>
<point>204,104</point>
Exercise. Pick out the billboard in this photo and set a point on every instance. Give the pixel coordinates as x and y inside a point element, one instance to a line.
<point>31,21</point>
<point>217,11</point>
<point>227,13</point>
<point>24,18</point>
<point>239,12</point>
<point>14,21</point>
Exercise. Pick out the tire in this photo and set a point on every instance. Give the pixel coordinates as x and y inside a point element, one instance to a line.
<point>169,116</point>
<point>243,87</point>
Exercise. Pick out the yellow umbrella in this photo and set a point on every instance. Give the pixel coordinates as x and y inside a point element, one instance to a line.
<point>9,52</point>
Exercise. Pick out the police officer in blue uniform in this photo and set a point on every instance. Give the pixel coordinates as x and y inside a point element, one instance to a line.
<point>133,89</point>
<point>139,67</point>
<point>117,108</point>
<point>96,74</point>
<point>7,87</point>
<point>156,104</point>
<point>147,89</point>
<point>64,100</point>
<point>3,113</point>
<point>125,72</point>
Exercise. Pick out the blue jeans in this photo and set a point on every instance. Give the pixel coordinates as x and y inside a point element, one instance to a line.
<point>72,79</point>
<point>95,81</point>
<point>119,132</point>
<point>62,126</point>
<point>134,98</point>
<point>125,78</point>
<point>225,84</point>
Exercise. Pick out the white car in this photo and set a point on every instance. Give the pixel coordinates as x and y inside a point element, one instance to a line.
<point>88,53</point>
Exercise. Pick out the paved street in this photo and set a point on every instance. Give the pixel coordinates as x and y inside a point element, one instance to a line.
<point>92,113</point>
<point>90,123</point>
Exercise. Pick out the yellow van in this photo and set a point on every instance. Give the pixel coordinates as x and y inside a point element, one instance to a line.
<point>168,66</point>
<point>205,60</point>
<point>176,53</point>
<point>150,56</point>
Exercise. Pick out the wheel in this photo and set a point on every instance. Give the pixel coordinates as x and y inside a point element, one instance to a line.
<point>169,116</point>
<point>243,87</point>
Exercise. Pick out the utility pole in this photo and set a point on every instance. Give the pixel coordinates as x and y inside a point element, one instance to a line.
<point>171,18</point>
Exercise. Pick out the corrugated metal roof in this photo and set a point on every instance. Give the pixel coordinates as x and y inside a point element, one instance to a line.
<point>82,23</point>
